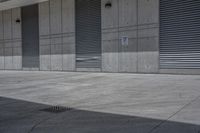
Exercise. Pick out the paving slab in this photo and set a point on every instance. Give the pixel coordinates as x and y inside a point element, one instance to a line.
<point>101,102</point>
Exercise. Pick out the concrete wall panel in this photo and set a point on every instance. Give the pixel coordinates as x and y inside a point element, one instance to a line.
<point>8,59</point>
<point>128,53</point>
<point>56,34</point>
<point>7,21</point>
<point>1,26</point>
<point>69,56</point>
<point>7,34</point>
<point>17,58</point>
<point>148,36</point>
<point>128,56</point>
<point>55,17</point>
<point>127,13</point>
<point>68,26</point>
<point>17,42</point>
<point>16,27</point>
<point>16,39</point>
<point>68,16</point>
<point>45,58</point>
<point>1,59</point>
<point>11,54</point>
<point>69,62</point>
<point>148,11</point>
<point>59,36</point>
<point>56,39</point>
<point>69,39</point>
<point>110,56</point>
<point>108,64</point>
<point>148,62</point>
<point>110,15</point>
<point>45,40</point>
<point>148,55</point>
<point>148,32</point>
<point>1,42</point>
<point>44,24</point>
<point>110,49</point>
<point>8,43</point>
<point>110,36</point>
<point>138,20</point>
<point>127,62</point>
<point>56,57</point>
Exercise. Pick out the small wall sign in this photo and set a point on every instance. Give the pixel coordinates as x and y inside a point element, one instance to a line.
<point>124,41</point>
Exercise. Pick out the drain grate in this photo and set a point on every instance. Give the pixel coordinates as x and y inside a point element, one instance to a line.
<point>56,109</point>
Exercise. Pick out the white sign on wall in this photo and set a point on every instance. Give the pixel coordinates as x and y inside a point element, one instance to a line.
<point>124,41</point>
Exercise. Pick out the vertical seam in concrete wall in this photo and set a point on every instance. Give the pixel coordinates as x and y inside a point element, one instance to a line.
<point>118,43</point>
<point>101,38</point>
<point>50,32</point>
<point>3,40</point>
<point>61,31</point>
<point>101,69</point>
<point>12,36</point>
<point>102,33</point>
<point>39,35</point>
<point>39,20</point>
<point>38,27</point>
<point>158,36</point>
<point>21,37</point>
<point>137,35</point>
<point>75,33</point>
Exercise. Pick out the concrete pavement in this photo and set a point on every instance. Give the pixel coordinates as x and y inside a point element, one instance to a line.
<point>101,102</point>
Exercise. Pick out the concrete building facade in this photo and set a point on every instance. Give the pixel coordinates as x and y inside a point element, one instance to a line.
<point>130,37</point>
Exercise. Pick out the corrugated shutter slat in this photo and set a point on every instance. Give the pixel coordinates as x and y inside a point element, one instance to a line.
<point>88,33</point>
<point>180,34</point>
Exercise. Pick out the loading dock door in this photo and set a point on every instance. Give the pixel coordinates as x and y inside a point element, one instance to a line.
<point>30,37</point>
<point>88,33</point>
<point>180,34</point>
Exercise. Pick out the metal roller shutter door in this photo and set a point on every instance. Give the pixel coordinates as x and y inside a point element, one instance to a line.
<point>180,34</point>
<point>30,36</point>
<point>88,33</point>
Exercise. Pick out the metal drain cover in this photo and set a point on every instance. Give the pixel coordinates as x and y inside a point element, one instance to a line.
<point>56,109</point>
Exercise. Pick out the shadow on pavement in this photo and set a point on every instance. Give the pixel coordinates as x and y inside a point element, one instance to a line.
<point>17,116</point>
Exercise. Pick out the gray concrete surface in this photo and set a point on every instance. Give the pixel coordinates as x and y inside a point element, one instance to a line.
<point>136,19</point>
<point>101,102</point>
